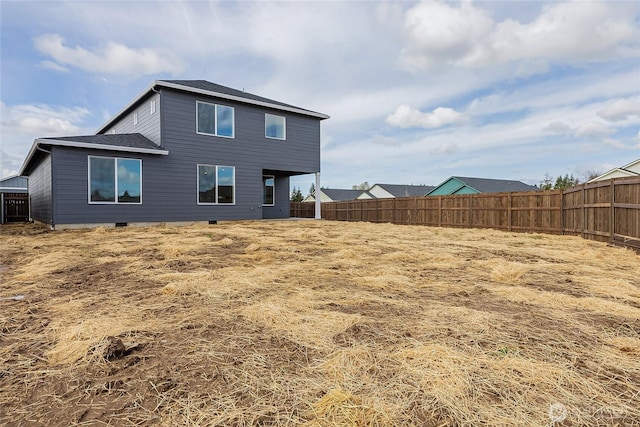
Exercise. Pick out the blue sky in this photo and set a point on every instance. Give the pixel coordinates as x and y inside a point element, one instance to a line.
<point>416,91</point>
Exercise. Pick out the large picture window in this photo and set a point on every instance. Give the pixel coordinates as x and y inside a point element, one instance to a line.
<point>216,184</point>
<point>268,184</point>
<point>214,119</point>
<point>115,180</point>
<point>274,126</point>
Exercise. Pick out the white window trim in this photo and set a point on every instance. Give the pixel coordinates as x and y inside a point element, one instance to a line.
<point>284,127</point>
<point>135,118</point>
<point>216,203</point>
<point>152,106</point>
<point>115,165</point>
<point>215,112</point>
<point>274,189</point>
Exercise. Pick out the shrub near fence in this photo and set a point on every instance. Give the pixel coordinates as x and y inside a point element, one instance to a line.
<point>606,211</point>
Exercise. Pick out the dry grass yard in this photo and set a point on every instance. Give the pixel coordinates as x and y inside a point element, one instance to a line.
<point>316,323</point>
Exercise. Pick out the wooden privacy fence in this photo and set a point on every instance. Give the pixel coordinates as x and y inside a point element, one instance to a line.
<point>606,211</point>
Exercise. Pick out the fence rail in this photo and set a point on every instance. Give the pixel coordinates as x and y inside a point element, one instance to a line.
<point>607,211</point>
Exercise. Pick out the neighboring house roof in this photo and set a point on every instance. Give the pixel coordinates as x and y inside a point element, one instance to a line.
<point>469,185</point>
<point>337,195</point>
<point>204,87</point>
<point>13,183</point>
<point>628,170</point>
<point>395,190</point>
<point>128,142</point>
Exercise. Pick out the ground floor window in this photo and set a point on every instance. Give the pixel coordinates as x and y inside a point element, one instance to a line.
<point>115,180</point>
<point>216,184</point>
<point>268,184</point>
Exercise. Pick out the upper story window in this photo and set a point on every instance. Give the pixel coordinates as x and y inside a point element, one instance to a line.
<point>115,180</point>
<point>214,119</point>
<point>153,106</point>
<point>135,118</point>
<point>274,126</point>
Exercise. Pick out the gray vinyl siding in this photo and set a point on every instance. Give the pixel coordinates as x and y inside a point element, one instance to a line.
<point>148,124</point>
<point>16,184</point>
<point>281,207</point>
<point>169,182</point>
<point>40,191</point>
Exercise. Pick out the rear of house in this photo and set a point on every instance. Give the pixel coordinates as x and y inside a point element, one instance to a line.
<point>182,151</point>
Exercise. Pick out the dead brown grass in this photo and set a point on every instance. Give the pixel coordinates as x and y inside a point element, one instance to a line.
<point>316,323</point>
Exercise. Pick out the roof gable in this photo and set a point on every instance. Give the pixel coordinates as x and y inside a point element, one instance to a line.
<point>468,185</point>
<point>488,185</point>
<point>633,166</point>
<point>204,87</point>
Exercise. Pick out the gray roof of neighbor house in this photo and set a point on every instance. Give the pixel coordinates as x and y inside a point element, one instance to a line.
<point>207,88</point>
<point>337,194</point>
<point>406,190</point>
<point>126,142</point>
<point>487,185</point>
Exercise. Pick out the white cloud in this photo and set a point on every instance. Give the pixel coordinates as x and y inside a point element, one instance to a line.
<point>21,124</point>
<point>407,117</point>
<point>439,32</point>
<point>113,58</point>
<point>54,66</point>
<point>593,130</point>
<point>615,144</point>
<point>620,110</point>
<point>569,32</point>
<point>42,120</point>
<point>558,128</point>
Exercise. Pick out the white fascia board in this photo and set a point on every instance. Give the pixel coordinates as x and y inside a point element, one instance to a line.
<point>241,99</point>
<point>76,144</point>
<point>27,159</point>
<point>10,189</point>
<point>633,166</point>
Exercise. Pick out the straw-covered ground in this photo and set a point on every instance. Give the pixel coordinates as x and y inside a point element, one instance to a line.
<point>316,323</point>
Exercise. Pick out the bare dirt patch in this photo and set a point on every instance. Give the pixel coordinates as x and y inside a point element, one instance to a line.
<point>316,323</point>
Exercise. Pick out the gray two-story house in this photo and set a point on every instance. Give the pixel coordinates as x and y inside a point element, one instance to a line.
<point>181,151</point>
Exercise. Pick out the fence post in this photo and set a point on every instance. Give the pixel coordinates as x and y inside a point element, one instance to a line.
<point>613,211</point>
<point>582,210</point>
<point>395,207</point>
<point>439,211</point>
<point>508,211</point>
<point>562,212</point>
<point>470,211</point>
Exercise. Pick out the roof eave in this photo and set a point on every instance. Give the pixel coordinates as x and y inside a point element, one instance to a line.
<point>160,83</point>
<point>241,99</point>
<point>74,144</point>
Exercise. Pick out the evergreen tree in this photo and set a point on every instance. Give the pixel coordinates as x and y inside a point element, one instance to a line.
<point>312,190</point>
<point>296,195</point>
